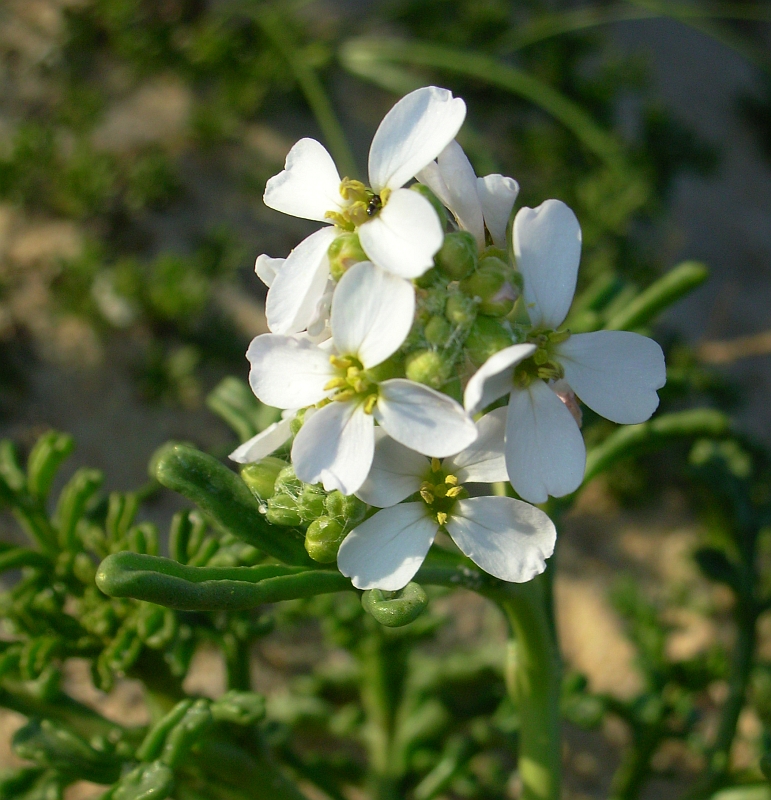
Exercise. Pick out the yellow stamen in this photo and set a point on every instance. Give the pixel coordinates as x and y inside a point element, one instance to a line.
<point>384,195</point>
<point>427,496</point>
<point>436,465</point>
<point>370,403</point>
<point>335,383</point>
<point>339,220</point>
<point>345,396</point>
<point>341,362</point>
<point>455,491</point>
<point>441,517</point>
<point>451,480</point>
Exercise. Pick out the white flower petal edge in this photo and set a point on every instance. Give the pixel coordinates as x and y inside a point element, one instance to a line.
<point>423,419</point>
<point>484,460</point>
<point>494,378</point>
<point>309,184</point>
<point>404,237</point>
<point>386,551</point>
<point>507,538</point>
<point>297,288</point>
<point>372,313</point>
<point>547,248</point>
<point>264,443</point>
<point>335,447</point>
<point>497,196</point>
<point>287,372</point>
<point>267,268</point>
<point>396,473</point>
<point>616,373</point>
<point>545,452</point>
<point>461,181</point>
<point>412,134</point>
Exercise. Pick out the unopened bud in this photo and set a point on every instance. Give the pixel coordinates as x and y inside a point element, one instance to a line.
<point>460,309</point>
<point>487,337</point>
<point>282,510</point>
<point>428,279</point>
<point>493,284</point>
<point>457,257</point>
<point>287,482</point>
<point>297,422</point>
<point>261,476</point>
<point>427,367</point>
<point>422,189</point>
<point>345,508</point>
<point>310,503</point>
<point>343,253</point>
<point>437,331</point>
<point>323,539</point>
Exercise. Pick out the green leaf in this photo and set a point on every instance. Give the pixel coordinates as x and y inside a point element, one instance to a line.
<point>50,450</point>
<point>234,402</point>
<point>72,503</point>
<point>241,708</point>
<point>147,782</point>
<point>395,609</point>
<point>167,583</point>
<point>226,501</point>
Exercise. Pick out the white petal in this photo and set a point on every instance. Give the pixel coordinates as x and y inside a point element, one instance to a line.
<point>497,195</point>
<point>423,419</point>
<point>396,473</point>
<point>545,453</point>
<point>412,134</point>
<point>405,236</point>
<point>386,550</point>
<point>547,247</point>
<point>484,460</point>
<point>494,378</point>
<point>267,268</point>
<point>335,447</point>
<point>461,182</point>
<point>287,372</point>
<point>507,538</point>
<point>616,373</point>
<point>431,176</point>
<point>264,443</point>
<point>372,313</point>
<point>300,284</point>
<point>309,185</point>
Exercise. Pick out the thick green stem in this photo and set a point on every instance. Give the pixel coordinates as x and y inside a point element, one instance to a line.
<point>533,682</point>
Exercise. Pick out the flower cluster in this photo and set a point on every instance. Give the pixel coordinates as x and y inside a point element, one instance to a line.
<point>396,326</point>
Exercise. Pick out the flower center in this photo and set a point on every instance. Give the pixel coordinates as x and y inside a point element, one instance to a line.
<point>352,383</point>
<point>362,204</point>
<point>542,364</point>
<point>440,491</point>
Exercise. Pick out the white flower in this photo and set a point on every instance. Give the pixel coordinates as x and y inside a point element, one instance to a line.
<point>372,312</point>
<point>615,373</point>
<point>505,537</point>
<point>398,229</point>
<point>475,202</point>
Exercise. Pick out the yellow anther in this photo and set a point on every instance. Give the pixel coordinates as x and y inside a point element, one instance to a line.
<point>427,495</point>
<point>341,362</point>
<point>352,189</point>
<point>452,480</point>
<point>340,220</point>
<point>384,195</point>
<point>352,372</point>
<point>335,383</point>
<point>345,396</point>
<point>360,385</point>
<point>370,403</point>
<point>455,491</point>
<point>436,465</point>
<point>441,517</point>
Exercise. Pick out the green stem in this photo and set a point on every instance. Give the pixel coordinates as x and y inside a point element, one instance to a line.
<point>533,682</point>
<point>636,764</point>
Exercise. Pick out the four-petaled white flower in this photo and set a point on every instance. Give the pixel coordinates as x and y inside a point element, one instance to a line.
<point>398,229</point>
<point>615,373</point>
<point>476,203</point>
<point>507,538</point>
<point>372,313</point>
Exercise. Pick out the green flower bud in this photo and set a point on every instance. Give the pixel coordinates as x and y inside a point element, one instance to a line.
<point>347,508</point>
<point>310,504</point>
<point>282,510</point>
<point>323,539</point>
<point>460,309</point>
<point>343,253</point>
<point>493,284</point>
<point>438,330</point>
<point>428,367</point>
<point>428,279</point>
<point>494,252</point>
<point>457,257</point>
<point>441,212</point>
<point>297,422</point>
<point>261,476</point>
<point>287,482</point>
<point>487,337</point>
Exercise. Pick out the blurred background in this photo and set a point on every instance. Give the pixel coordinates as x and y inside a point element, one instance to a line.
<point>136,137</point>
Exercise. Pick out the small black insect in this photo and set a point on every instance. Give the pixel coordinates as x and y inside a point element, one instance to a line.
<point>375,204</point>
